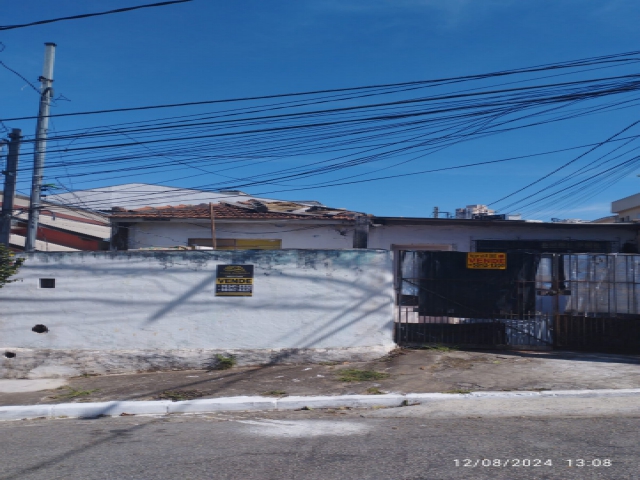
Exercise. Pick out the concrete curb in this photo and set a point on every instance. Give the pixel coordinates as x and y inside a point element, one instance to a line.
<point>245,403</point>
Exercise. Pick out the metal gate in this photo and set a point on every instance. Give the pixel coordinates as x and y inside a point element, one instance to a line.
<point>538,301</point>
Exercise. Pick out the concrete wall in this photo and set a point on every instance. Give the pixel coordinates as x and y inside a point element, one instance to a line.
<point>135,311</point>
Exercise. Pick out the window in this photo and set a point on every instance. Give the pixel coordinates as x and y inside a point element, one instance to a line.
<point>238,243</point>
<point>47,283</point>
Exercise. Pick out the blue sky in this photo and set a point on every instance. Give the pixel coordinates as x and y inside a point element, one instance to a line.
<point>210,49</point>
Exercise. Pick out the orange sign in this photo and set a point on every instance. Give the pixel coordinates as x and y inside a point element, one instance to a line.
<point>487,261</point>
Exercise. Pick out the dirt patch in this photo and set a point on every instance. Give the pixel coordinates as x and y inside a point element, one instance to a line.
<point>412,371</point>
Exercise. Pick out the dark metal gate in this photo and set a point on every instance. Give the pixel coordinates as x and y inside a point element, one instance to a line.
<point>539,301</point>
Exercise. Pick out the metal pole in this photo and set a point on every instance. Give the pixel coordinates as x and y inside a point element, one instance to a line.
<point>213,227</point>
<point>9,192</point>
<point>555,278</point>
<point>46,82</point>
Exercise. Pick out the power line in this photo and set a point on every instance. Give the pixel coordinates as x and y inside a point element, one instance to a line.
<point>565,165</point>
<point>544,67</point>
<point>343,138</point>
<point>303,188</point>
<point>87,15</point>
<point>21,76</point>
<point>456,167</point>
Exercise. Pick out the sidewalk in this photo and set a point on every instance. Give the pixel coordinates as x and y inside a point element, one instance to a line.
<point>407,371</point>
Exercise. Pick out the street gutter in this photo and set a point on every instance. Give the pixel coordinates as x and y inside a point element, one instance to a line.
<point>258,403</point>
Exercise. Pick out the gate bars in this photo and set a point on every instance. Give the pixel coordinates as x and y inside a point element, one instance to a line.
<point>575,301</point>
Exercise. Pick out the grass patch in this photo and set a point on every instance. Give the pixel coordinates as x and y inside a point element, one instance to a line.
<point>354,375</point>
<point>459,390</point>
<point>74,393</point>
<point>178,395</point>
<point>438,347</point>
<point>225,363</point>
<point>329,364</point>
<point>274,393</point>
<point>374,391</point>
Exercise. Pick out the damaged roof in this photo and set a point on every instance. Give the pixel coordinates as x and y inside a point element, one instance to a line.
<point>249,210</point>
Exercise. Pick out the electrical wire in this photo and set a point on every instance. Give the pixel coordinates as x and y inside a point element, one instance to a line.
<point>253,141</point>
<point>87,15</point>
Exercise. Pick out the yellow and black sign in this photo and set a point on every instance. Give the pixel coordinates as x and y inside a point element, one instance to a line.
<point>234,281</point>
<point>487,261</point>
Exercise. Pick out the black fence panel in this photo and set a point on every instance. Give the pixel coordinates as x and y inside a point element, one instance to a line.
<point>485,334</point>
<point>448,288</point>
<point>603,334</point>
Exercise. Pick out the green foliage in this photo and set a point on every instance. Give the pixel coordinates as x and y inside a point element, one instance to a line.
<point>74,393</point>
<point>224,363</point>
<point>9,265</point>
<point>354,375</point>
<point>274,393</point>
<point>179,395</point>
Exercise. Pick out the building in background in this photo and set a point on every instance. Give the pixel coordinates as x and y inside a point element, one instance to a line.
<point>482,212</point>
<point>61,228</point>
<point>137,195</point>
<point>626,209</point>
<point>471,211</point>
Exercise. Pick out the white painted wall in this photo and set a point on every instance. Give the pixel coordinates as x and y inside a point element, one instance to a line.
<point>162,301</point>
<point>340,236</point>
<point>461,238</point>
<point>293,234</point>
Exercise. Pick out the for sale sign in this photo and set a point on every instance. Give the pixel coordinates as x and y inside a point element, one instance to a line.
<point>234,281</point>
<point>487,261</point>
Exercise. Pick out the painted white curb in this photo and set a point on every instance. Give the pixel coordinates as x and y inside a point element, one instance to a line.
<point>224,404</point>
<point>245,403</point>
<point>353,401</point>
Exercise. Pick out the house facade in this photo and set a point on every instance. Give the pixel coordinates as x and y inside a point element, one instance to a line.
<point>285,225</point>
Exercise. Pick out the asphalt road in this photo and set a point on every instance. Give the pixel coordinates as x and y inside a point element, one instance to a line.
<point>323,445</point>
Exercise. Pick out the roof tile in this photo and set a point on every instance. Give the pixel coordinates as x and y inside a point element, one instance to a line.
<point>227,211</point>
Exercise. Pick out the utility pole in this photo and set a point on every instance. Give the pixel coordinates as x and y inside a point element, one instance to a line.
<point>213,227</point>
<point>9,191</point>
<point>46,94</point>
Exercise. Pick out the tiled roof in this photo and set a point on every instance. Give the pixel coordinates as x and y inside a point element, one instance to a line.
<point>240,210</point>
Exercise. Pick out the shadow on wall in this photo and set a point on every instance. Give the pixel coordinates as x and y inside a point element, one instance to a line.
<point>303,299</point>
<point>341,297</point>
